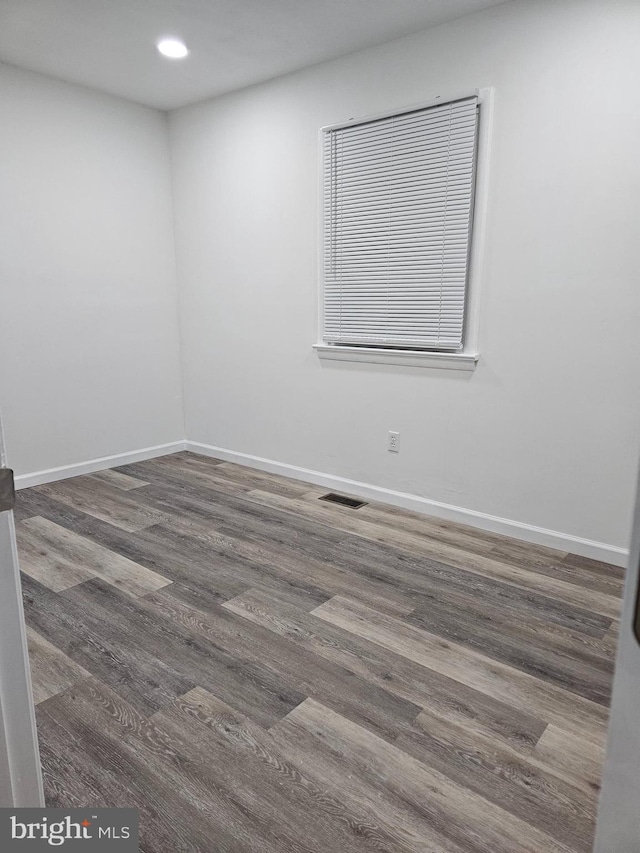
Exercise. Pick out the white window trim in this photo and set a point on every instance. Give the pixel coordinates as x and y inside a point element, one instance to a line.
<point>402,357</point>
<point>468,358</point>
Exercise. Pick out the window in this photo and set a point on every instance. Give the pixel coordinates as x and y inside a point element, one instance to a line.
<point>398,195</point>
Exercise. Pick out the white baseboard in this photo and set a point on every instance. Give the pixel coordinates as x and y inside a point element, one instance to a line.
<point>495,524</point>
<point>38,478</point>
<point>492,523</point>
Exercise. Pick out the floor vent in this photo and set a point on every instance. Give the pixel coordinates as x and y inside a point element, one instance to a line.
<point>342,500</point>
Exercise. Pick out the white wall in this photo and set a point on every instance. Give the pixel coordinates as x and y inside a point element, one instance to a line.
<point>89,351</point>
<point>546,431</point>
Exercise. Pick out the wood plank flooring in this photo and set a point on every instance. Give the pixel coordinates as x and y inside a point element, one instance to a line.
<point>260,672</point>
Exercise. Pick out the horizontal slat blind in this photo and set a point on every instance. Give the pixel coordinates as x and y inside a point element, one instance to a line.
<point>398,199</point>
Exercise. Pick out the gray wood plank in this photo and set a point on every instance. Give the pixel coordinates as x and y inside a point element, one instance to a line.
<point>455,811</point>
<point>263,779</point>
<point>309,675</point>
<point>559,565</point>
<point>104,502</point>
<point>400,577</point>
<point>166,776</point>
<point>533,646</point>
<point>526,788</point>
<point>235,675</point>
<point>44,561</point>
<point>117,480</point>
<point>444,696</point>
<point>204,471</point>
<point>523,691</point>
<point>60,558</point>
<point>607,605</point>
<point>311,678</point>
<point>572,756</point>
<point>51,670</point>
<point>141,678</point>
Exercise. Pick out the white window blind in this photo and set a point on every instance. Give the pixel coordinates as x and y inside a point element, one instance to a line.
<point>398,204</point>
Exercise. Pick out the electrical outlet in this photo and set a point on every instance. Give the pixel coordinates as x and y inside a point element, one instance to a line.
<point>393,443</point>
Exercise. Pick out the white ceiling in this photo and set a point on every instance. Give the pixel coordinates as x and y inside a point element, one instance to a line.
<point>110,44</point>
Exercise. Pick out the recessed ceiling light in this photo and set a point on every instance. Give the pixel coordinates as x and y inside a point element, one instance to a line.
<point>173,48</point>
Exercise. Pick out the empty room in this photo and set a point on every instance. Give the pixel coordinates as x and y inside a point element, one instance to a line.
<point>320,397</point>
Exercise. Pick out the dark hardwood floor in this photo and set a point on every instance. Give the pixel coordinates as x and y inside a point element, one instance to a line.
<point>256,670</point>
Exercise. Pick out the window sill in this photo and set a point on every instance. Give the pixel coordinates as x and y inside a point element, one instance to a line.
<point>403,358</point>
